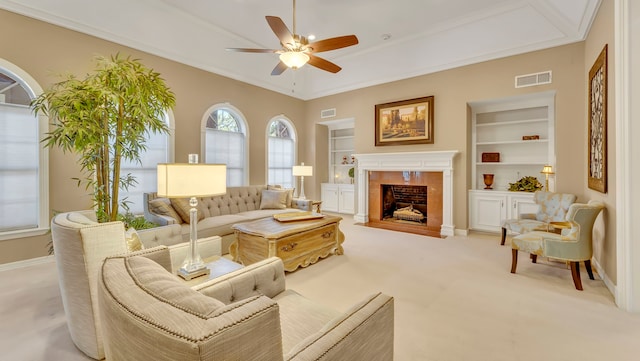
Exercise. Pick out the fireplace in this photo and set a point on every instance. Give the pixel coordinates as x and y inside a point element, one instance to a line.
<point>432,172</point>
<point>404,204</point>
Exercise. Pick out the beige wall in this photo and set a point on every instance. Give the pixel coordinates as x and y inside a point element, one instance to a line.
<point>601,34</point>
<point>44,50</point>
<point>53,49</point>
<point>453,89</point>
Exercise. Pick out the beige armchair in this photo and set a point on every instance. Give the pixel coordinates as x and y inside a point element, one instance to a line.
<point>572,245</point>
<point>245,315</point>
<point>80,246</point>
<point>552,208</point>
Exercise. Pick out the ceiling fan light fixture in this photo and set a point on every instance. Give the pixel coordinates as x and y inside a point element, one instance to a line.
<point>294,59</point>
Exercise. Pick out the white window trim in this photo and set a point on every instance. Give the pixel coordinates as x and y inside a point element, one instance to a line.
<point>243,128</point>
<point>34,90</point>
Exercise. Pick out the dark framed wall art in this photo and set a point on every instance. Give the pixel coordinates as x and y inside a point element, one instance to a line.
<point>405,122</point>
<point>597,176</point>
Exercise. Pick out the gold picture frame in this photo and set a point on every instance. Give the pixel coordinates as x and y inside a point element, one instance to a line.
<point>405,122</point>
<point>597,172</point>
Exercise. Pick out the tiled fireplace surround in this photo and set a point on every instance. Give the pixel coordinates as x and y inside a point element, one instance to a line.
<point>436,161</point>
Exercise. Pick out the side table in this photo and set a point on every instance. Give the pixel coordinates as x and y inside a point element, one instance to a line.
<point>218,266</point>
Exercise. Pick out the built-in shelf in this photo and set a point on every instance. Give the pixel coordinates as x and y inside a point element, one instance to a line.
<point>498,126</point>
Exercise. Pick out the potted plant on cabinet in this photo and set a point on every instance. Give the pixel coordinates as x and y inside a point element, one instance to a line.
<point>105,118</point>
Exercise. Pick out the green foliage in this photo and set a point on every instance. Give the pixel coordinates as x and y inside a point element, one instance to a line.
<point>526,184</point>
<point>105,118</point>
<point>137,222</point>
<point>351,172</point>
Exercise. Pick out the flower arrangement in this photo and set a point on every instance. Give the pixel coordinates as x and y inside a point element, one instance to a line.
<point>526,184</point>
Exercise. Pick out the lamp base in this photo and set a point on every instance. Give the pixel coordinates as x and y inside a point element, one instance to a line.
<point>182,272</point>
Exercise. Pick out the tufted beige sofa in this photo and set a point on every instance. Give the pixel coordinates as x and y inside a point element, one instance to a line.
<point>245,315</point>
<point>239,204</point>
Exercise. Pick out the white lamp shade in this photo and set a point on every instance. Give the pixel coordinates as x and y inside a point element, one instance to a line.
<point>180,180</point>
<point>294,59</point>
<point>302,170</point>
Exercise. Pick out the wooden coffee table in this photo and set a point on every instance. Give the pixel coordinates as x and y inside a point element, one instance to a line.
<point>297,243</point>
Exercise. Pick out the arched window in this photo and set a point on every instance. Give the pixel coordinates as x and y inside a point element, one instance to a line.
<point>281,155</point>
<point>24,198</point>
<point>159,150</point>
<point>226,142</point>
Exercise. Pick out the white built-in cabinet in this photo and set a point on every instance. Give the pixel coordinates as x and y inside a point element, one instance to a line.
<point>338,198</point>
<point>498,126</point>
<point>338,193</point>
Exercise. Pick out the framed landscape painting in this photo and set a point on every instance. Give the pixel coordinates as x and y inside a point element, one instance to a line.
<point>597,176</point>
<point>405,122</point>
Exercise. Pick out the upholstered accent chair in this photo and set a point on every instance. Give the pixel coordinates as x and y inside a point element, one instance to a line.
<point>573,244</point>
<point>552,208</point>
<point>80,246</point>
<point>149,314</point>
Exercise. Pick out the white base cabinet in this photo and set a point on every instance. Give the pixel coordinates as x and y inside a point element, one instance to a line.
<point>489,209</point>
<point>338,198</point>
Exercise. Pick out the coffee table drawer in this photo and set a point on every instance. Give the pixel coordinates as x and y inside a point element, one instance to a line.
<point>303,249</point>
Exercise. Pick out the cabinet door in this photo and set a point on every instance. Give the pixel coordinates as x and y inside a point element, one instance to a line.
<point>521,204</point>
<point>487,212</point>
<point>346,199</point>
<point>329,194</point>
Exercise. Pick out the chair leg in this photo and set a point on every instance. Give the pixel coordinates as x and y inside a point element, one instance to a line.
<point>504,236</point>
<point>534,258</point>
<point>575,273</point>
<point>587,265</point>
<point>514,260</point>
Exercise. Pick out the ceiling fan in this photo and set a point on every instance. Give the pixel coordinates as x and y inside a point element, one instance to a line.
<point>296,49</point>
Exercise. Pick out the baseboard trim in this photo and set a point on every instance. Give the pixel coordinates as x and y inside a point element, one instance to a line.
<point>26,263</point>
<point>607,281</point>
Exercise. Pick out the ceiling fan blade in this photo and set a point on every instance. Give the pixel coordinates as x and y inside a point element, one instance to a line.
<point>279,69</point>
<point>280,29</point>
<point>244,50</point>
<point>333,43</point>
<point>323,64</point>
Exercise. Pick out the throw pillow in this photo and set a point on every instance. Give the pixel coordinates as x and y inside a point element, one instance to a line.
<point>133,240</point>
<point>289,195</point>
<point>273,199</point>
<point>181,205</point>
<point>162,206</point>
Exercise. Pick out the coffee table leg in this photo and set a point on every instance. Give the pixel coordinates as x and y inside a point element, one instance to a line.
<point>233,249</point>
<point>339,240</point>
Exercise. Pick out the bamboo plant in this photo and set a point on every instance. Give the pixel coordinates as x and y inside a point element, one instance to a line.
<point>105,118</point>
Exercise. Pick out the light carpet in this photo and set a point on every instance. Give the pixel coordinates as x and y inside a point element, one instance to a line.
<point>454,300</point>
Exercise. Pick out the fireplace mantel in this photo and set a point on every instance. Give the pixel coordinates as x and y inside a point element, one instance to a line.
<point>436,161</point>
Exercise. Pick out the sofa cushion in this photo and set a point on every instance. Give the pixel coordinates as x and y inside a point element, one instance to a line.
<point>217,226</point>
<point>289,194</point>
<point>182,207</point>
<point>274,199</point>
<point>164,286</point>
<point>300,318</point>
<point>162,206</point>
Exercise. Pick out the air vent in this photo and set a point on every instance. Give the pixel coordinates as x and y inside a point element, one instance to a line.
<point>328,113</point>
<point>533,79</point>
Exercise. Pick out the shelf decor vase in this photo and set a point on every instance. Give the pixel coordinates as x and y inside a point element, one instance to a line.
<point>488,180</point>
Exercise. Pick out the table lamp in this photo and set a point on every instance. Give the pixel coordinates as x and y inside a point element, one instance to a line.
<point>547,170</point>
<point>182,180</point>
<point>302,171</point>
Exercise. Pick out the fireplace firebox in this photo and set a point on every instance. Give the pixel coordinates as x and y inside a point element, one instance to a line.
<point>404,203</point>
